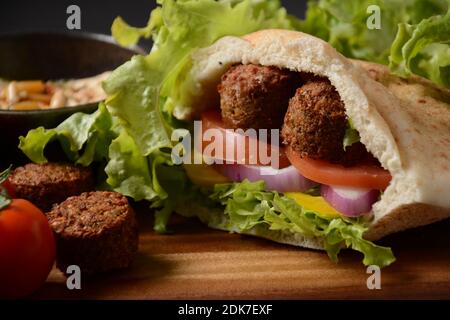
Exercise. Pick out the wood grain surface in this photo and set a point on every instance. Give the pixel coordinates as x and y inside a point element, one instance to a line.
<point>196,262</point>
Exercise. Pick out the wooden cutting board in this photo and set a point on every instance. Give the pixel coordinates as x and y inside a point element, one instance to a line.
<point>196,262</point>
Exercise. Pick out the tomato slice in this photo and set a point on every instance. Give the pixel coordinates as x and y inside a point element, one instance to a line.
<point>361,176</point>
<point>237,148</point>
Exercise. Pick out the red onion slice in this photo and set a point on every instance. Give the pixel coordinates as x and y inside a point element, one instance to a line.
<point>281,180</point>
<point>352,202</point>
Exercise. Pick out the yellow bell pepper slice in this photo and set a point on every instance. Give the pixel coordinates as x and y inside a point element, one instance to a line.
<point>204,175</point>
<point>316,204</point>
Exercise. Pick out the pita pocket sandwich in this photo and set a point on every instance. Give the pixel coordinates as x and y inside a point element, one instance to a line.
<point>270,133</point>
<point>393,175</point>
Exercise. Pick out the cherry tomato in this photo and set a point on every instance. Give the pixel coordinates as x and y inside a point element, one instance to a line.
<point>27,249</point>
<point>361,176</point>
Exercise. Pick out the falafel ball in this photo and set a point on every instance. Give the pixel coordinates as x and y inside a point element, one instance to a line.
<point>50,183</point>
<point>96,231</point>
<point>257,97</point>
<point>315,121</point>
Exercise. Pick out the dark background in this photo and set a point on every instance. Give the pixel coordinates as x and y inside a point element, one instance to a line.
<point>96,15</point>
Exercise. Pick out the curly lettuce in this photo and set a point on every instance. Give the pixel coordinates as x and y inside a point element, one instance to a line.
<point>351,135</point>
<point>83,137</point>
<point>413,35</point>
<point>247,205</point>
<point>423,49</point>
<point>344,24</point>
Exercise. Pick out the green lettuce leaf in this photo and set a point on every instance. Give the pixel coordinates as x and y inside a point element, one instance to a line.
<point>127,35</point>
<point>247,205</point>
<point>173,180</point>
<point>351,135</point>
<point>344,24</point>
<point>128,171</point>
<point>423,49</point>
<point>133,97</point>
<point>84,138</point>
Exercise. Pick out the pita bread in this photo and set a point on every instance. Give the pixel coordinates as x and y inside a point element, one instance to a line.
<point>403,123</point>
<point>215,219</point>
